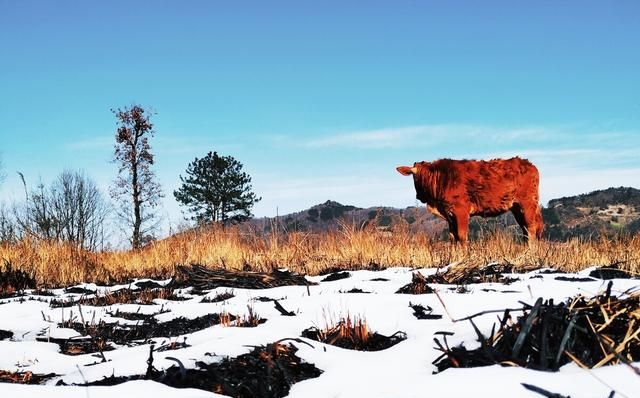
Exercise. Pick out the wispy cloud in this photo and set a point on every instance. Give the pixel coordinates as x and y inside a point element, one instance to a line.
<point>381,138</point>
<point>408,136</point>
<point>559,182</point>
<point>102,141</point>
<point>598,158</point>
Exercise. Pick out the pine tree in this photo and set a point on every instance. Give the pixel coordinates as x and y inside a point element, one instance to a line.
<point>217,190</point>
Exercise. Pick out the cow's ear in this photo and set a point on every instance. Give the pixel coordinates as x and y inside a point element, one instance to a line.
<point>406,170</point>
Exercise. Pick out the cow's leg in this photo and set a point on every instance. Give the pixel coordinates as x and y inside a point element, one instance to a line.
<point>461,217</point>
<point>533,220</point>
<point>529,218</point>
<point>518,214</point>
<point>453,230</point>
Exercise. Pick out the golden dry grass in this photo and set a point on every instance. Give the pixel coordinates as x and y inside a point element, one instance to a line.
<point>57,264</point>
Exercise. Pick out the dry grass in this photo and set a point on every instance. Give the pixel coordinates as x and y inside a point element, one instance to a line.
<point>56,264</point>
<point>251,319</point>
<point>355,329</point>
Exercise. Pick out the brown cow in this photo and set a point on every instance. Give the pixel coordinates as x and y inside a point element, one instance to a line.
<point>455,190</point>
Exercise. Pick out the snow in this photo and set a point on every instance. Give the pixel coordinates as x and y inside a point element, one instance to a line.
<point>404,370</point>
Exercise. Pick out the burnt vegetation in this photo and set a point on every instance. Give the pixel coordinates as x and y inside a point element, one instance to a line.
<point>422,312</point>
<point>265,372</point>
<point>353,334</point>
<point>27,377</point>
<point>418,285</point>
<point>14,281</point>
<point>203,278</point>
<point>122,296</point>
<point>99,337</point>
<point>336,276</point>
<point>218,297</point>
<point>594,332</point>
<point>467,275</point>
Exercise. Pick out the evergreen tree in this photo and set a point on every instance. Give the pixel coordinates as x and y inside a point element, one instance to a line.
<point>217,190</point>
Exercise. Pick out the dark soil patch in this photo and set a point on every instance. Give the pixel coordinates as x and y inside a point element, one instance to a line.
<point>137,316</point>
<point>148,285</point>
<point>420,312</point>
<point>379,280</point>
<point>610,272</point>
<point>573,279</point>
<point>79,290</point>
<point>263,299</point>
<point>592,332</point>
<point>331,270</point>
<point>122,296</point>
<point>24,377</point>
<point>355,290</point>
<point>265,372</point>
<point>218,297</point>
<point>418,285</point>
<point>353,336</point>
<point>336,276</point>
<point>5,334</point>
<point>549,271</point>
<point>500,291</point>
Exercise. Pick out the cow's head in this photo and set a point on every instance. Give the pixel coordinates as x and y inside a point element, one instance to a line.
<point>418,172</point>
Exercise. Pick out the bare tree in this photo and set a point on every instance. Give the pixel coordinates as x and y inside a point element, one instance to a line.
<point>71,209</point>
<point>8,230</point>
<point>7,226</point>
<point>35,217</point>
<point>79,209</point>
<point>135,189</point>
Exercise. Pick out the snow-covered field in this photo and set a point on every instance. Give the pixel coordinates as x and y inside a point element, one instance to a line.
<point>404,370</point>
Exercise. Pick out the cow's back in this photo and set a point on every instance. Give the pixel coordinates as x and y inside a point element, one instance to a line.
<point>489,187</point>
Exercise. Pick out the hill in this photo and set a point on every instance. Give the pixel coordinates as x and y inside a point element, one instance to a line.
<point>606,212</point>
<point>331,215</point>
<point>600,213</point>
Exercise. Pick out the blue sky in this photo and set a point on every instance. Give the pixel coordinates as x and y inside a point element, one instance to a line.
<point>321,100</point>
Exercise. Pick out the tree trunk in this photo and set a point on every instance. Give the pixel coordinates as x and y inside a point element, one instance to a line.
<point>137,219</point>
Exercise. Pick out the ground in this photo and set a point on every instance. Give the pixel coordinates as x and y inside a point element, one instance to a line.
<point>403,370</point>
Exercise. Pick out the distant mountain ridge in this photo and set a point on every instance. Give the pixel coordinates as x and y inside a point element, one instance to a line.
<point>605,212</point>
